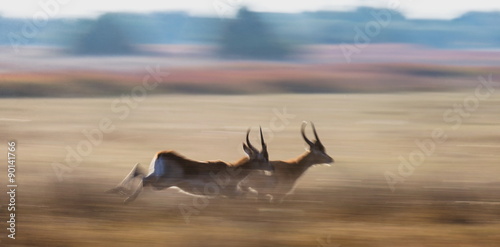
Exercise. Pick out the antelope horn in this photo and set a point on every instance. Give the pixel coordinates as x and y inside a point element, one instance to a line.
<point>262,142</point>
<point>315,134</point>
<point>302,130</point>
<point>249,144</point>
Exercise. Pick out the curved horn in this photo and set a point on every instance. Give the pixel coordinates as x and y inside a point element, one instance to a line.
<point>315,134</point>
<point>249,144</point>
<point>302,128</point>
<point>262,142</point>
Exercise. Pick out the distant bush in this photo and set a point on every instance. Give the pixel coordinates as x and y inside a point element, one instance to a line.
<point>249,37</point>
<point>105,37</point>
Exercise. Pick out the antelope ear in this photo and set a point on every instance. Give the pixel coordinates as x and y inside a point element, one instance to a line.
<point>307,147</point>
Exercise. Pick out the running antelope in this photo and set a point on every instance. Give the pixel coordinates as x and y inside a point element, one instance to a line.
<point>282,181</point>
<point>202,178</point>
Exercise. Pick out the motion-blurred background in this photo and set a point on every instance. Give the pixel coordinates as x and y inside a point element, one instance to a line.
<point>236,50</point>
<point>403,95</point>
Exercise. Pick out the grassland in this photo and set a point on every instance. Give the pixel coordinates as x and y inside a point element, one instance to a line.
<point>449,199</point>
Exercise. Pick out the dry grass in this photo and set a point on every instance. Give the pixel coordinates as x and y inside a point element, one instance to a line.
<point>451,199</point>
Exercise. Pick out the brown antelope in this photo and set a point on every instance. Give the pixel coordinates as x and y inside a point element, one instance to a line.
<point>282,181</point>
<point>208,178</point>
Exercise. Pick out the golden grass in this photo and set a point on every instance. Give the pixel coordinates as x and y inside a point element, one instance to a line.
<point>451,199</point>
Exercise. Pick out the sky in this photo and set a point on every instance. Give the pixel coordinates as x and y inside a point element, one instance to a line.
<point>415,9</point>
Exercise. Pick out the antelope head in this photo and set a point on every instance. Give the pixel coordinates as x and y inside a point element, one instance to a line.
<point>258,160</point>
<point>316,153</point>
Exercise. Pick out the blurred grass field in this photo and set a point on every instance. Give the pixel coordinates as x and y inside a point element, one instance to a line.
<point>451,199</point>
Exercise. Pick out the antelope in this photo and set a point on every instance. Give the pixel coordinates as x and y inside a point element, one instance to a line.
<point>284,178</point>
<point>199,178</point>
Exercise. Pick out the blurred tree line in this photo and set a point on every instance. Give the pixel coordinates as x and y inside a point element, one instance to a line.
<point>254,34</point>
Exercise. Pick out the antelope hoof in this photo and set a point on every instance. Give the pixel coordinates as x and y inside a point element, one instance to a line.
<point>130,199</point>
<point>268,173</point>
<point>270,199</point>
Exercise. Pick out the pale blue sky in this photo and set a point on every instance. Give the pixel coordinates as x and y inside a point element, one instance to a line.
<point>442,9</point>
